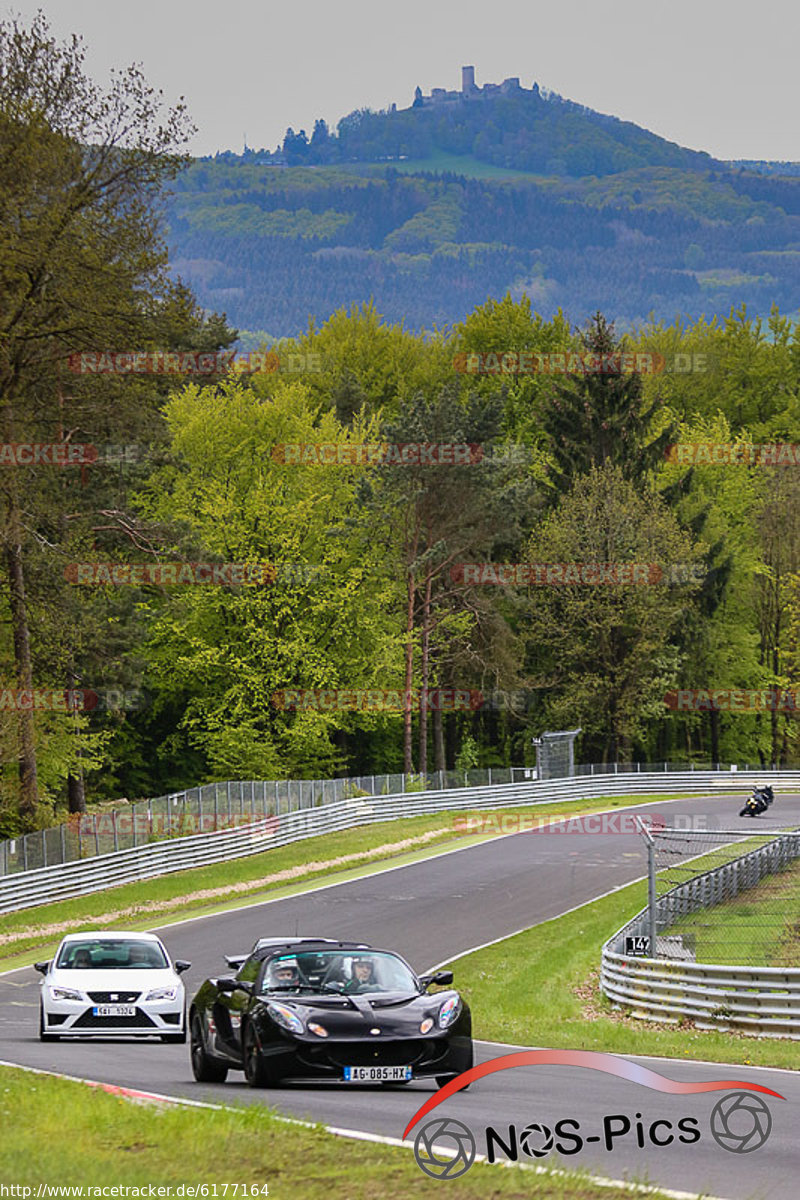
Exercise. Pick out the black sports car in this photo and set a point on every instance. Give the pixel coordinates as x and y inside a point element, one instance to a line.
<point>312,1008</point>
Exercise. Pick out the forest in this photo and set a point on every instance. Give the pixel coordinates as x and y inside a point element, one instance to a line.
<point>276,246</point>
<point>410,533</point>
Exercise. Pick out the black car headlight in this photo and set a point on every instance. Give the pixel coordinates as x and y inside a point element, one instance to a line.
<point>449,1011</point>
<point>286,1017</point>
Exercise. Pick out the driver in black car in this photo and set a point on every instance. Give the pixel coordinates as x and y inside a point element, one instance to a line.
<point>363,977</point>
<point>284,974</point>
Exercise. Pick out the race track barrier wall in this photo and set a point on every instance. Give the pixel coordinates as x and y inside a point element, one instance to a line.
<point>33,887</point>
<point>751,999</point>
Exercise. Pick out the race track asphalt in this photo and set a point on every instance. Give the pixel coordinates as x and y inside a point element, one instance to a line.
<point>431,911</point>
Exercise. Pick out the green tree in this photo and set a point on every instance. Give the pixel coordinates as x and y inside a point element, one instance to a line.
<point>602,654</point>
<point>80,176</point>
<point>221,657</point>
<point>437,518</point>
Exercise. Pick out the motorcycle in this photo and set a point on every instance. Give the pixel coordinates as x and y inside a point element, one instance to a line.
<point>758,802</point>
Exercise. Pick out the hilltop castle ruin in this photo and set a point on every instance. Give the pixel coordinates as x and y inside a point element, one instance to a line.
<point>471,91</point>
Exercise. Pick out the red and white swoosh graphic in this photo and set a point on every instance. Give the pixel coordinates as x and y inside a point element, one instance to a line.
<point>594,1061</point>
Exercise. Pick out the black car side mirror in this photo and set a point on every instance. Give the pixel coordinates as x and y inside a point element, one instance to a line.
<point>443,978</point>
<point>41,967</point>
<point>181,965</point>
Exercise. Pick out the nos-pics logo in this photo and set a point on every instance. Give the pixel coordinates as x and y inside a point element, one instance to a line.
<point>446,1148</point>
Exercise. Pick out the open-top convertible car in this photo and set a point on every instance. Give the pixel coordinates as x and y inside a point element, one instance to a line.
<point>316,1009</point>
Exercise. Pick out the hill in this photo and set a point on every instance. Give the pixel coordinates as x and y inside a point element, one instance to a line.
<point>502,192</point>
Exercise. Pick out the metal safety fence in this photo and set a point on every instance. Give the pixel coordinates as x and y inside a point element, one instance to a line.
<point>24,889</point>
<point>217,806</point>
<point>731,910</point>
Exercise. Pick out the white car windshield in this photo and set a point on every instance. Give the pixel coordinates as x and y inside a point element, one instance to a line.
<point>111,954</point>
<point>347,972</point>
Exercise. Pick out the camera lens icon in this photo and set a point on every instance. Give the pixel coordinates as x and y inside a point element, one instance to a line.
<point>444,1148</point>
<point>741,1122</point>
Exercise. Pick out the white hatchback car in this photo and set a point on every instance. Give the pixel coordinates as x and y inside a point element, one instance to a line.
<point>112,985</point>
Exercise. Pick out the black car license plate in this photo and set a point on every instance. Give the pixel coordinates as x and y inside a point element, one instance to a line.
<point>376,1074</point>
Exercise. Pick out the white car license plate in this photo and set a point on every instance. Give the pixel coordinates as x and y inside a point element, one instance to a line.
<point>375,1074</point>
<point>114,1010</point>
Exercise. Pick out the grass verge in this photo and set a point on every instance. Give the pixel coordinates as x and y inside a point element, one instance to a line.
<point>284,871</point>
<point>540,988</point>
<point>109,1141</point>
<point>760,926</point>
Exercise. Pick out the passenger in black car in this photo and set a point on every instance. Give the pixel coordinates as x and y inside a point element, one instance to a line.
<point>363,979</point>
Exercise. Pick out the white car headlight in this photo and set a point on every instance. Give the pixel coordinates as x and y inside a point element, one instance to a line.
<point>64,993</point>
<point>449,1011</point>
<point>162,993</point>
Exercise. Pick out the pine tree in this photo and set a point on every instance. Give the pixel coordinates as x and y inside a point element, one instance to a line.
<point>600,416</point>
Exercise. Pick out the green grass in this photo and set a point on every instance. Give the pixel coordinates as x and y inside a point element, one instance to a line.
<point>759,927</point>
<point>540,988</point>
<point>33,932</point>
<point>458,164</point>
<point>108,1141</point>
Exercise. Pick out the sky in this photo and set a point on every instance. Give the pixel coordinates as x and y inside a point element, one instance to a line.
<point>714,75</point>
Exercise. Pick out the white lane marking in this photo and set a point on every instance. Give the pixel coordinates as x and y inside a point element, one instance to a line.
<point>699,1062</point>
<point>536,924</point>
<point>360,1135</point>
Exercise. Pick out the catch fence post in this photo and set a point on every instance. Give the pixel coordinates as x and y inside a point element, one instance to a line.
<point>651,885</point>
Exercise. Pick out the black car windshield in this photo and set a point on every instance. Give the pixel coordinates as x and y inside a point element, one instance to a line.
<point>346,972</point>
<point>110,954</point>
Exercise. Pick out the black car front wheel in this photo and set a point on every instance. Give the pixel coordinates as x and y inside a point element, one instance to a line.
<point>205,1069</point>
<point>256,1070</point>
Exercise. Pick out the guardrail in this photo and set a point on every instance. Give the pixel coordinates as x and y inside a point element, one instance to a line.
<point>752,999</point>
<point>33,887</point>
<point>214,806</point>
